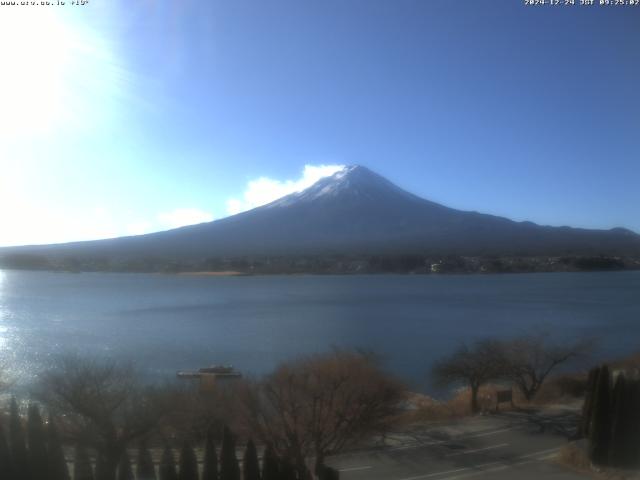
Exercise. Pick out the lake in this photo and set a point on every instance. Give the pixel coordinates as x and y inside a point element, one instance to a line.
<point>169,322</point>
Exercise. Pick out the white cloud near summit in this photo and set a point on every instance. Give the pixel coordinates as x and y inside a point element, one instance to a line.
<point>264,190</point>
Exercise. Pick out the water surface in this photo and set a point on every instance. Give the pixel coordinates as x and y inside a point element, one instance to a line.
<point>166,323</point>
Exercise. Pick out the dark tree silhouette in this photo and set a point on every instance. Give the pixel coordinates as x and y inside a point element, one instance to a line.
<point>145,469</point>
<point>5,456</point>
<point>473,366</point>
<point>587,407</point>
<point>57,466</point>
<point>19,454</point>
<point>38,458</point>
<point>287,471</point>
<point>104,469</point>
<point>319,465</point>
<point>600,429</point>
<point>634,425</point>
<point>324,472</point>
<point>168,465</point>
<point>82,465</point>
<point>125,472</point>
<point>229,469</point>
<point>210,467</point>
<point>188,463</point>
<point>619,417</point>
<point>328,473</point>
<point>625,431</point>
<point>251,467</point>
<point>270,469</point>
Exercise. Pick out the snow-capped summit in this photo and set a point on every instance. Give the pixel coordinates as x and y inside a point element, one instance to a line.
<point>353,181</point>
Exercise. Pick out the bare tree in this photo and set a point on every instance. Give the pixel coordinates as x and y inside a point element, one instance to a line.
<point>322,404</point>
<point>193,414</point>
<point>103,404</point>
<point>471,365</point>
<point>530,359</point>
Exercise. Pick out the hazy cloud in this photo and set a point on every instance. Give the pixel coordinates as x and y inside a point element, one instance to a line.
<point>33,224</point>
<point>36,225</point>
<point>264,190</point>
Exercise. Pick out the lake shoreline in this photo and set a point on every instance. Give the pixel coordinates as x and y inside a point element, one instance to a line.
<point>334,264</point>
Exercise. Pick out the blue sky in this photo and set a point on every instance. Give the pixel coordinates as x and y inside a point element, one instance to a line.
<point>124,117</point>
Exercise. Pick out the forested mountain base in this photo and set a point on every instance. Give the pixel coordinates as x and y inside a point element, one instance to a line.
<point>328,264</point>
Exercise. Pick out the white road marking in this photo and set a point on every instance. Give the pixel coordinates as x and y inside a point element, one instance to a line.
<point>419,477</point>
<point>466,452</point>
<point>355,469</point>
<point>453,439</point>
<point>415,445</point>
<point>541,452</point>
<point>499,466</point>
<point>412,446</point>
<point>497,469</point>
<point>486,434</point>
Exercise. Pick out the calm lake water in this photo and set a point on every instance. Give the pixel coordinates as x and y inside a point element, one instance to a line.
<point>166,323</point>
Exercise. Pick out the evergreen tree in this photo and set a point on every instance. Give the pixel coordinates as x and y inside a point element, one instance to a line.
<point>618,419</point>
<point>168,465</point>
<point>587,407</point>
<point>270,469</point>
<point>102,468</point>
<point>6,470</point>
<point>634,424</point>
<point>57,467</point>
<point>38,461</point>
<point>329,473</point>
<point>145,469</point>
<point>125,472</point>
<point>229,468</point>
<point>624,433</point>
<point>319,465</point>
<point>251,467</point>
<point>287,472</point>
<point>188,463</point>
<point>323,472</point>
<point>19,454</point>
<point>82,465</point>
<point>600,428</point>
<point>210,467</point>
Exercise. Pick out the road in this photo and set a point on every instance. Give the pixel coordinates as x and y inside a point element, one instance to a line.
<point>499,446</point>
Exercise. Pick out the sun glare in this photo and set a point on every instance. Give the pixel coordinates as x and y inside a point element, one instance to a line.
<point>35,56</point>
<point>54,71</point>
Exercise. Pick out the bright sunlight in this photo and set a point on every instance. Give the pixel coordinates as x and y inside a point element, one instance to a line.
<point>36,53</point>
<point>53,71</point>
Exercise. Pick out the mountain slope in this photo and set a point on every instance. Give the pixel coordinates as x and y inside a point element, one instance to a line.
<point>355,211</point>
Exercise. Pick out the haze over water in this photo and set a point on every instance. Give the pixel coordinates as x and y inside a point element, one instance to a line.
<point>166,323</point>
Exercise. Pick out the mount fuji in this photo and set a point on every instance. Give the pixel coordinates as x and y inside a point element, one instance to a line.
<point>354,211</point>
